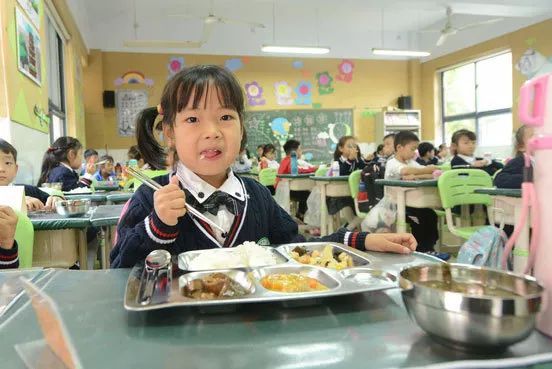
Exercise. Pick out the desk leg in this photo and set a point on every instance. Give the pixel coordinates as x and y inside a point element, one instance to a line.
<point>106,230</point>
<point>323,211</point>
<point>401,210</point>
<point>83,249</point>
<point>521,249</point>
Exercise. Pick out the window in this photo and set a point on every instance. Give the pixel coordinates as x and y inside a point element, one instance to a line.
<point>478,96</point>
<point>56,90</point>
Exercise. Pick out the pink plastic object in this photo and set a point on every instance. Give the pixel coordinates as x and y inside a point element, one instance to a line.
<point>536,116</point>
<point>437,173</point>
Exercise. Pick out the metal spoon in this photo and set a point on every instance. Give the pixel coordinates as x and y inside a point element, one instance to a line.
<point>155,261</point>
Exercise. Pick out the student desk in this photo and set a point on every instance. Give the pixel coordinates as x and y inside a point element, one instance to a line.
<point>416,194</point>
<point>369,330</point>
<point>295,182</point>
<point>95,197</point>
<point>118,197</point>
<point>105,217</point>
<point>510,201</point>
<point>330,187</point>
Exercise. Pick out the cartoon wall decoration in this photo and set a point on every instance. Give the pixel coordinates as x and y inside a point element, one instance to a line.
<point>133,78</point>
<point>28,48</point>
<point>254,94</point>
<point>298,64</point>
<point>345,71</point>
<point>325,81</point>
<point>175,65</point>
<point>304,93</point>
<point>532,64</point>
<point>283,92</point>
<point>233,64</point>
<point>280,129</point>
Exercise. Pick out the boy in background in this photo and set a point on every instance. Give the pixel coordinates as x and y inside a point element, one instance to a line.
<point>105,171</point>
<point>426,150</point>
<point>90,157</point>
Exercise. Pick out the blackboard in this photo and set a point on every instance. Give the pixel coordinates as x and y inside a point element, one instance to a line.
<point>318,130</point>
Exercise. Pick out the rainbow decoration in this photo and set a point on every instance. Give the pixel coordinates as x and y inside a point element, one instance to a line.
<point>133,78</point>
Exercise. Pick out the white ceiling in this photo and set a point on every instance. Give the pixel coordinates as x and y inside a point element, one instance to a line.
<point>349,27</point>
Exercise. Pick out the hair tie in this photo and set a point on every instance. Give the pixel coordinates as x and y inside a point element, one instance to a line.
<point>51,149</point>
<point>159,109</point>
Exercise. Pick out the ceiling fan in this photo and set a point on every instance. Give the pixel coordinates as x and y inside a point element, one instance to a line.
<point>450,30</point>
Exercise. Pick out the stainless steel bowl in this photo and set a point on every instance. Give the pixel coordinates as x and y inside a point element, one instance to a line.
<point>474,320</point>
<point>72,208</point>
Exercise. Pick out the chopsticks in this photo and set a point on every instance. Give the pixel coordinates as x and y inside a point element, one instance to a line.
<point>155,186</point>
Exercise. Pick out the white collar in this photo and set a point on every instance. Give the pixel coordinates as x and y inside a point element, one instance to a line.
<point>67,166</point>
<point>344,159</point>
<point>201,190</point>
<point>468,159</point>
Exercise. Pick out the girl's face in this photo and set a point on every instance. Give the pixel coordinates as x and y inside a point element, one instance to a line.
<point>527,135</point>
<point>389,146</point>
<point>207,139</point>
<point>466,146</point>
<point>349,149</point>
<point>259,152</point>
<point>271,155</point>
<point>74,158</point>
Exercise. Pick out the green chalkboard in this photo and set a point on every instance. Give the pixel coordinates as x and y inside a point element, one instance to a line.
<point>318,130</point>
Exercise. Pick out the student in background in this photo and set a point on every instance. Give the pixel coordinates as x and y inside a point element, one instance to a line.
<point>60,163</point>
<point>118,171</point>
<point>134,153</point>
<point>512,174</point>
<point>242,164</point>
<point>347,154</point>
<point>443,153</point>
<point>90,157</point>
<point>463,148</point>
<point>105,170</point>
<point>260,150</point>
<point>9,258</point>
<point>35,198</point>
<point>203,110</point>
<point>426,152</point>
<point>388,148</point>
<point>268,160</point>
<point>423,222</point>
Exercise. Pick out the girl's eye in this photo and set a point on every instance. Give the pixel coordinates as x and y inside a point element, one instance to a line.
<point>227,117</point>
<point>191,120</point>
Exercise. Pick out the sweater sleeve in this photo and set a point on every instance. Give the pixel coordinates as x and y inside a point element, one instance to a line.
<point>512,174</point>
<point>37,193</point>
<point>354,239</point>
<point>9,259</point>
<point>70,180</point>
<point>458,161</point>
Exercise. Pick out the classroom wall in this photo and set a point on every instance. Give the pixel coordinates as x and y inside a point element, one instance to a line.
<point>537,36</point>
<point>375,84</point>
<point>19,95</point>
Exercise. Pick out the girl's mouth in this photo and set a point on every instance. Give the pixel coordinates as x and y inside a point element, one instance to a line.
<point>210,154</point>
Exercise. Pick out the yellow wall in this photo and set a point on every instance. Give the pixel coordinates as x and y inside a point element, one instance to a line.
<point>538,36</point>
<point>375,84</point>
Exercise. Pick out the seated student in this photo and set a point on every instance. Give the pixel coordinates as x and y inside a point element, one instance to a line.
<point>34,197</point>
<point>242,164</point>
<point>512,174</point>
<point>463,148</point>
<point>105,171</point>
<point>90,157</point>
<point>118,171</point>
<point>9,258</point>
<point>427,154</point>
<point>423,222</point>
<point>260,150</point>
<point>348,155</point>
<point>60,163</point>
<point>443,153</point>
<point>268,160</point>
<point>134,153</point>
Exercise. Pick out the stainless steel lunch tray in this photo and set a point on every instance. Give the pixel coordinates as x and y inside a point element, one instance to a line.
<point>185,258</point>
<point>369,275</point>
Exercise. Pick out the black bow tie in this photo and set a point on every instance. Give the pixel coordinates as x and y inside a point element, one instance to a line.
<point>213,203</point>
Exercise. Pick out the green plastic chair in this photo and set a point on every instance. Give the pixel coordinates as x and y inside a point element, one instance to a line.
<point>321,171</point>
<point>24,235</point>
<point>267,176</point>
<point>52,191</point>
<point>456,188</point>
<point>496,173</point>
<point>354,182</point>
<point>445,166</point>
<point>151,173</point>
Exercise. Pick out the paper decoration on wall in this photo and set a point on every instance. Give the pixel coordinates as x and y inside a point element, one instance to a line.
<point>306,73</point>
<point>31,9</point>
<point>345,71</point>
<point>42,116</point>
<point>28,48</point>
<point>133,78</point>
<point>129,104</point>
<point>254,93</point>
<point>304,93</point>
<point>322,139</point>
<point>531,41</point>
<point>533,64</point>
<point>367,113</point>
<point>283,93</point>
<point>233,64</point>
<point>245,59</point>
<point>316,105</point>
<point>325,81</point>
<point>298,64</point>
<point>338,130</point>
<point>280,130</point>
<point>175,65</point>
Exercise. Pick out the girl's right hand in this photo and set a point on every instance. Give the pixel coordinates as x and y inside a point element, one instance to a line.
<point>90,168</point>
<point>169,202</point>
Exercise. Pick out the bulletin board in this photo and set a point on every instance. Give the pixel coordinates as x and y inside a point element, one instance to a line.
<point>129,103</point>
<point>318,130</point>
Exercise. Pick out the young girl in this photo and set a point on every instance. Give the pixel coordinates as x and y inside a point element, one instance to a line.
<point>463,148</point>
<point>61,163</point>
<point>268,160</point>
<point>347,153</point>
<point>512,174</point>
<point>202,108</point>
<point>134,153</point>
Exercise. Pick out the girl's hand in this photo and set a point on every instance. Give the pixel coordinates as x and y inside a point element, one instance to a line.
<point>33,204</point>
<point>170,202</point>
<point>399,243</point>
<point>51,202</point>
<point>90,168</point>
<point>480,163</point>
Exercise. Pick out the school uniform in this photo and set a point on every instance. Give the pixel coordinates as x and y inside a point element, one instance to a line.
<point>33,191</point>
<point>98,176</point>
<point>241,206</point>
<point>299,196</point>
<point>242,164</point>
<point>68,177</point>
<point>512,174</point>
<point>347,166</point>
<point>423,162</point>
<point>9,259</point>
<point>423,222</point>
<point>463,161</point>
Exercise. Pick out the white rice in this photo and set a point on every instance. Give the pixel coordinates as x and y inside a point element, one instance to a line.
<point>248,254</point>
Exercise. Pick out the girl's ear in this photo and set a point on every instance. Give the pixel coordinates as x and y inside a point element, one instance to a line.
<point>71,154</point>
<point>168,131</point>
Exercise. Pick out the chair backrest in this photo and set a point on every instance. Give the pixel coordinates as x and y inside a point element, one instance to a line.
<point>445,166</point>
<point>24,235</point>
<point>267,176</point>
<point>354,181</point>
<point>495,173</point>
<point>456,187</point>
<point>151,173</point>
<point>321,171</point>
<point>52,191</point>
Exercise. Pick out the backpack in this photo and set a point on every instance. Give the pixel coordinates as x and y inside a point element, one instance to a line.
<point>368,176</point>
<point>484,248</point>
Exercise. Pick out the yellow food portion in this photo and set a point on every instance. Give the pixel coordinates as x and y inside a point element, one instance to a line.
<point>292,282</point>
<point>324,259</point>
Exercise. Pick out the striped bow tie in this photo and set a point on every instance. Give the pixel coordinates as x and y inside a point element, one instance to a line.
<point>213,203</point>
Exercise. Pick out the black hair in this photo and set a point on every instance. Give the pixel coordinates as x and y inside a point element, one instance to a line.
<point>134,153</point>
<point>424,148</point>
<point>442,146</point>
<point>291,145</point>
<point>404,138</point>
<point>340,144</point>
<point>260,146</point>
<point>89,152</point>
<point>7,148</point>
<point>177,94</point>
<point>378,149</point>
<point>390,135</point>
<point>456,136</point>
<point>108,158</point>
<point>268,148</point>
<point>56,154</point>
<point>519,144</point>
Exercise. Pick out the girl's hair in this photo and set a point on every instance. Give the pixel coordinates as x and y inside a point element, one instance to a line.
<point>56,154</point>
<point>268,148</point>
<point>456,136</point>
<point>378,149</point>
<point>134,153</point>
<point>340,144</point>
<point>177,94</point>
<point>519,143</point>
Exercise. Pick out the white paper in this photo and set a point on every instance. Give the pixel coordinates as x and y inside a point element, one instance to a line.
<point>14,197</point>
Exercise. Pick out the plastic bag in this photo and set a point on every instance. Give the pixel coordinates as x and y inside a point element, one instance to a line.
<point>281,196</point>
<point>312,215</point>
<point>381,218</point>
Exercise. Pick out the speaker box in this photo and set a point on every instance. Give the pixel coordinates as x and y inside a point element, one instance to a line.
<point>405,102</point>
<point>109,99</point>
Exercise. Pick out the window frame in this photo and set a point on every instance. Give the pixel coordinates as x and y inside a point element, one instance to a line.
<point>53,108</point>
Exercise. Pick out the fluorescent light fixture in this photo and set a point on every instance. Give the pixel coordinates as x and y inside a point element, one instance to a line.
<point>295,49</point>
<point>394,52</point>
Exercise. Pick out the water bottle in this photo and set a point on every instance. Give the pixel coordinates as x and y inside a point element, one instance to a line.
<point>362,193</point>
<point>294,169</point>
<point>335,169</point>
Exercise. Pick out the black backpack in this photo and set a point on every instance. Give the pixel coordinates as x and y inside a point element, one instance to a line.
<point>372,171</point>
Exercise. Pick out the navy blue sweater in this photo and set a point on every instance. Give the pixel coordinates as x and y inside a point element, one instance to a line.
<point>69,178</point>
<point>492,168</point>
<point>347,167</point>
<point>33,191</point>
<point>140,230</point>
<point>512,174</point>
